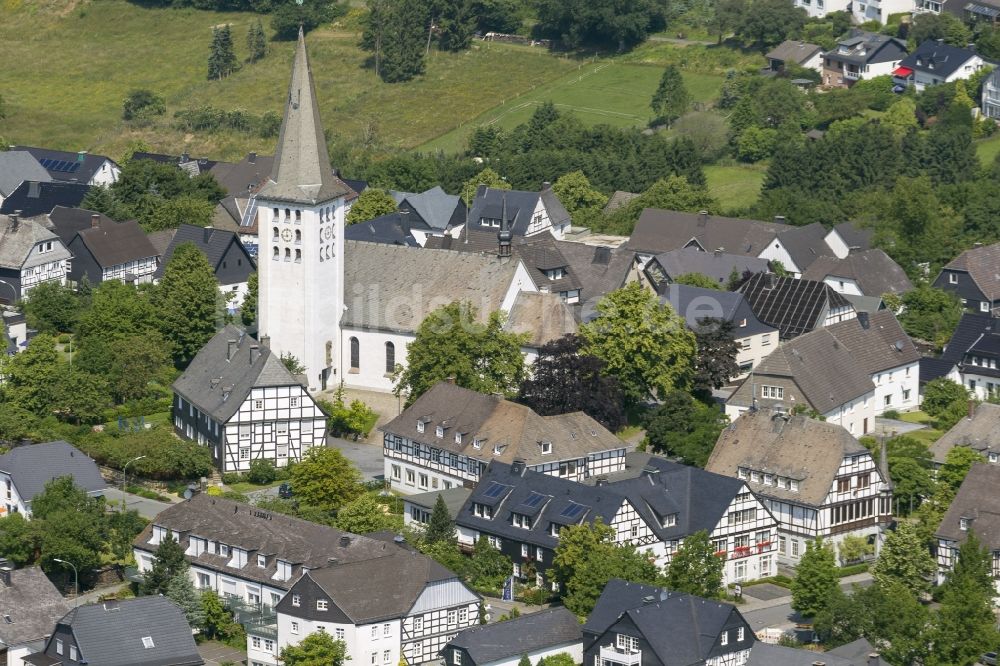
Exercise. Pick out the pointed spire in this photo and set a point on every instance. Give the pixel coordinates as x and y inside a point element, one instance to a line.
<point>504,236</point>
<point>302,171</point>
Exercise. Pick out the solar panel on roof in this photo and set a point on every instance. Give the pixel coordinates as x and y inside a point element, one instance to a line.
<point>534,499</point>
<point>494,489</point>
<point>572,511</point>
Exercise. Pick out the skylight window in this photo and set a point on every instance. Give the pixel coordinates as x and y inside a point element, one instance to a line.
<point>147,642</point>
<point>534,499</point>
<point>573,510</point>
<point>494,490</point>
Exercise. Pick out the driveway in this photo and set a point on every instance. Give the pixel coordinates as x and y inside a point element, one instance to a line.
<point>215,654</point>
<point>147,508</point>
<point>895,427</point>
<point>366,457</point>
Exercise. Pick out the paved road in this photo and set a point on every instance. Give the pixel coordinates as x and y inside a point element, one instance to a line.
<point>147,508</point>
<point>778,612</point>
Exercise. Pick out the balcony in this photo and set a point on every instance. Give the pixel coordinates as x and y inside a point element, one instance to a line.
<point>250,614</point>
<point>614,654</point>
<point>852,74</point>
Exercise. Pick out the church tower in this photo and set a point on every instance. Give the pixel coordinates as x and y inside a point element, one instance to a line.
<point>300,219</point>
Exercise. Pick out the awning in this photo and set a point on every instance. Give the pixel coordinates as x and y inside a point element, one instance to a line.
<point>903,72</point>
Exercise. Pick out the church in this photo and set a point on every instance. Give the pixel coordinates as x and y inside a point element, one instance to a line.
<point>348,309</point>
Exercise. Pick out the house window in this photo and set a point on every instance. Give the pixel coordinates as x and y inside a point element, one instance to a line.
<point>795,548</point>
<point>740,634</point>
<point>390,357</point>
<point>255,642</point>
<point>386,629</point>
<point>410,476</point>
<point>984,306</point>
<point>374,631</point>
<point>322,604</point>
<point>339,633</point>
<point>245,430</point>
<point>418,624</point>
<point>439,432</point>
<point>257,404</point>
<point>765,340</point>
<point>423,481</point>
<point>420,426</point>
<point>546,448</point>
<point>963,524</point>
<point>275,254</point>
<point>463,615</point>
<point>296,600</point>
<point>59,646</point>
<point>396,472</point>
<point>458,440</point>
<point>244,453</point>
<point>724,640</point>
<point>774,392</point>
<point>293,402</point>
<point>452,617</point>
<point>843,485</point>
<point>355,354</point>
<point>386,656</point>
<point>952,278</point>
<point>629,643</point>
<point>261,561</point>
<point>374,658</point>
<point>456,657</point>
<point>72,653</point>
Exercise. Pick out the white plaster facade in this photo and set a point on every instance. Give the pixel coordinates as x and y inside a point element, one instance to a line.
<point>753,349</point>
<point>12,502</point>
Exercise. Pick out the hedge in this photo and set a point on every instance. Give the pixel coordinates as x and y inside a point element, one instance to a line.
<point>166,456</point>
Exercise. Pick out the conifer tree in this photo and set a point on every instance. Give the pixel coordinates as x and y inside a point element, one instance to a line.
<point>256,42</point>
<point>440,527</point>
<point>181,591</point>
<point>671,98</point>
<point>221,57</point>
<point>169,563</point>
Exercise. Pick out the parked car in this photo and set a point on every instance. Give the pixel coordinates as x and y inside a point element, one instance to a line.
<point>990,659</point>
<point>285,491</point>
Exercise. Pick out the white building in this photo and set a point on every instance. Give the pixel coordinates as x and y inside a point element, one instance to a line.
<point>30,254</point>
<point>935,62</point>
<point>24,471</point>
<point>814,477</point>
<point>448,436</point>
<point>79,167</point>
<point>991,95</point>
<point>427,607</point>
<point>537,635</point>
<point>237,398</point>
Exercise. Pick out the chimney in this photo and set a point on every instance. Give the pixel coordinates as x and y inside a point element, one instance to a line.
<point>252,158</point>
<point>95,221</point>
<point>231,347</point>
<point>702,217</point>
<point>819,663</point>
<point>5,576</point>
<point>517,467</point>
<point>718,251</point>
<point>254,353</point>
<point>34,189</point>
<point>779,219</point>
<point>546,185</point>
<point>14,221</point>
<point>977,244</point>
<point>265,341</point>
<point>450,380</point>
<point>345,541</point>
<point>330,561</point>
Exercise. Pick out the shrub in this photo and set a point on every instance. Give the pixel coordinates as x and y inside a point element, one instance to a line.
<point>166,456</point>
<point>230,478</point>
<point>262,472</point>
<point>143,105</point>
<point>890,414</point>
<point>65,338</point>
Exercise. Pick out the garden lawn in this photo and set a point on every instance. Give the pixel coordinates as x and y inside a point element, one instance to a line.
<point>987,149</point>
<point>68,64</point>
<point>735,187</point>
<point>244,487</point>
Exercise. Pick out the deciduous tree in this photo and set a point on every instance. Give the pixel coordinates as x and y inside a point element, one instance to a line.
<point>695,568</point>
<point>367,514</point>
<point>957,464</point>
<point>52,308</point>
<point>317,649</point>
<point>187,303</point>
<point>946,401</point>
<point>684,428</point>
<point>815,579</point>
<point>248,310</point>
<point>576,193</point>
<point>489,567</point>
<point>371,203</point>
<point>715,364</point>
<point>326,479</point>
<point>487,177</point>
<point>905,559</point>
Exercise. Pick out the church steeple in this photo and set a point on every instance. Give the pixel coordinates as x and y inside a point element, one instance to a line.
<point>302,172</point>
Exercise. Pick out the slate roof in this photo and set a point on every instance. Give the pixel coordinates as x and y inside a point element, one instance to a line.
<point>67,222</point>
<point>874,271</point>
<point>697,303</point>
<point>116,243</point>
<point>855,237</point>
<point>521,205</point>
<point>31,467</point>
<point>517,429</point>
<point>715,265</point>
<point>981,433</point>
<point>805,244</point>
<point>792,306</point>
<point>857,653</point>
<point>694,623</point>
<point>469,239</point>
<point>435,207</point>
<point>16,245</point>
<point>299,542</point>
<point>88,166</point>
<point>971,327</point>
<point>213,243</point>
<point>301,171</point>
<point>598,269</point>
<point>218,386</point>
<point>17,166</point>
<point>244,176</point>
<point>794,51</point>
<point>420,281</point>
<point>876,341</point>
<point>937,58</point>
<point>862,47</point>
<point>111,633</point>
<point>454,498</point>
<point>797,447</point>
<point>33,198</point>
<point>544,317</point>
<point>765,654</point>
<point>978,500</point>
<point>391,229</point>
<point>548,629</point>
<point>33,604</point>
<point>983,266</point>
<point>193,165</point>
<point>659,231</point>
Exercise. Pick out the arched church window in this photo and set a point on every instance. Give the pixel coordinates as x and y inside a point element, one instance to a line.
<point>355,354</point>
<point>298,256</point>
<point>288,254</point>
<point>298,216</point>
<point>298,235</point>
<point>275,236</point>
<point>275,255</point>
<point>288,214</point>
<point>390,357</point>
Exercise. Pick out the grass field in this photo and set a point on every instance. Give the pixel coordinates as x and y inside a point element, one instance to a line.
<point>599,92</point>
<point>988,149</point>
<point>69,63</point>
<point>735,187</point>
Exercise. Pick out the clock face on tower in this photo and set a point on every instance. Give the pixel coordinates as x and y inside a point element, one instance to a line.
<point>286,235</point>
<point>329,233</point>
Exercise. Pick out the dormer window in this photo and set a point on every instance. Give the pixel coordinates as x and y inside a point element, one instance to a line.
<point>439,432</point>
<point>223,550</point>
<point>262,561</point>
<point>322,604</point>
<point>963,524</point>
<point>477,443</point>
<point>555,273</point>
<point>521,520</point>
<point>482,511</point>
<point>420,425</point>
<point>499,449</point>
<point>458,438</point>
<point>670,520</point>
<point>794,485</point>
<point>554,529</point>
<point>546,448</point>
<point>742,473</point>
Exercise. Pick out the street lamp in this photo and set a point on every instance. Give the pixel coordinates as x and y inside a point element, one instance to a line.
<point>123,479</point>
<point>76,579</point>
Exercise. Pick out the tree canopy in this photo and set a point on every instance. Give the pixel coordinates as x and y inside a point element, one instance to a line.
<point>684,428</point>
<point>371,203</point>
<point>815,579</point>
<point>325,479</point>
<point>695,568</point>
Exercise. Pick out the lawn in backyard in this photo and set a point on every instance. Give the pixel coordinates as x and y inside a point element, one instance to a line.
<point>987,149</point>
<point>735,187</point>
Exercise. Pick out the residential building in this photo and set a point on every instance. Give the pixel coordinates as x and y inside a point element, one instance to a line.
<point>436,211</point>
<point>68,222</point>
<point>32,198</point>
<point>642,625</point>
<point>794,52</point>
<point>974,329</point>
<point>248,556</point>
<point>396,228</point>
<point>795,307</point>
<point>855,653</point>
<point>935,62</point>
<point>720,267</point>
<point>30,606</point>
<point>448,436</point>
<point>813,476</point>
<point>654,506</point>
<point>979,431</point>
<point>147,631</point>
<point>17,166</point>
<point>599,269</point>
<point>975,509</point>
<point>543,318</point>
<point>417,509</point>
<point>428,606</point>
<point>537,635</point>
<point>113,251</point>
<point>990,101</point>
<point>229,259</point>
<point>847,237</point>
<point>30,254</point>
<point>863,273</point>
<point>861,55</point>
<point>618,199</point>
<point>24,471</point>
<point>80,167</point>
<point>529,213</point>
<point>238,399</point>
<point>974,277</point>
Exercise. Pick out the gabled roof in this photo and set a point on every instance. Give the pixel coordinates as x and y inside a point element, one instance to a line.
<point>68,166</point>
<point>515,428</point>
<point>489,203</point>
<point>435,207</point>
<point>978,501</point>
<point>618,199</point>
<point>242,177</point>
<point>67,222</point>
<point>218,385</point>
<point>424,279</point>
<point>983,265</point>
<point>854,237</point>
<point>548,629</point>
<point>33,198</point>
<point>391,229</point>
<point>794,51</point>
<point>681,629</point>
<point>765,654</point>
<point>544,317</point>
<point>981,433</point>
<point>192,165</point>
<point>876,341</point>
<point>937,58</point>
<point>792,306</point>
<point>716,265</point>
<point>861,47</point>
<point>874,271</point>
<point>695,304</point>
<point>454,498</point>
<point>31,467</point>
<point>16,244</point>
<point>112,633</point>
<point>598,269</point>
<point>116,243</point>
<point>33,605</point>
<point>17,166</point>
<point>301,172</point>
<point>797,447</point>
<point>805,244</point>
<point>971,328</point>
<point>213,243</point>
<point>857,653</point>
<point>659,231</point>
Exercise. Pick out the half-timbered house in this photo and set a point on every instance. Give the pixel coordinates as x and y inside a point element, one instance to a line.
<point>975,509</point>
<point>237,398</point>
<point>814,477</point>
